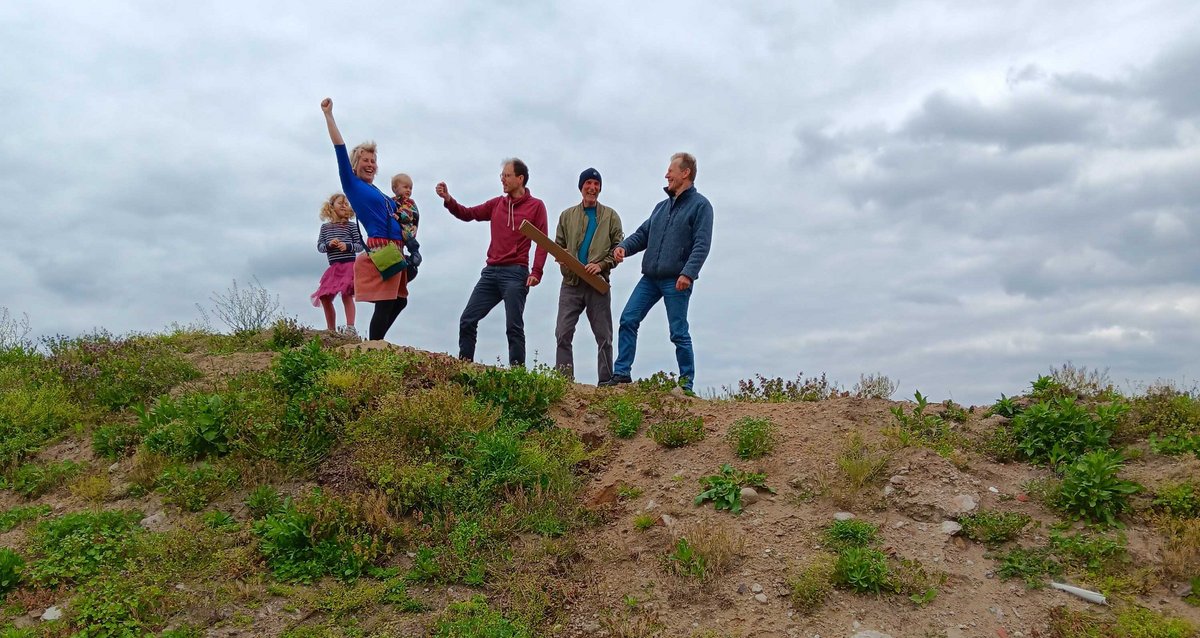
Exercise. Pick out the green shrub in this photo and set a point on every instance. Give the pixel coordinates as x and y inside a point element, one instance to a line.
<point>264,500</point>
<point>115,373</point>
<point>77,546</point>
<point>14,516</point>
<point>296,431</point>
<point>297,371</point>
<point>475,619</point>
<point>1180,499</point>
<point>11,566</point>
<point>677,433</point>
<point>413,486</point>
<point>993,528</point>
<point>315,537</point>
<point>725,489</point>
<point>286,333</point>
<point>1094,553</point>
<point>685,560</point>
<point>1130,622</point>
<point>523,395</point>
<point>113,441</point>
<point>35,406</point>
<point>191,488</point>
<point>116,607</point>
<point>1091,489</point>
<point>428,423</point>
<point>862,569</point>
<point>194,426</point>
<point>1060,430</point>
<point>1175,443</point>
<point>35,479</point>
<point>1000,444</point>
<point>752,437</point>
<point>625,417</point>
<point>1004,406</point>
<point>1030,565</point>
<point>1164,413</point>
<point>850,533</point>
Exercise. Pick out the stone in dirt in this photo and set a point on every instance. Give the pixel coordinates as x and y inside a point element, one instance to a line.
<point>843,516</point>
<point>951,528</point>
<point>749,495</point>
<point>762,598</point>
<point>52,613</point>
<point>870,633</point>
<point>962,504</point>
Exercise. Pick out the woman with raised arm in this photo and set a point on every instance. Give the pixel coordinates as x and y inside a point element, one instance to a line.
<point>378,215</point>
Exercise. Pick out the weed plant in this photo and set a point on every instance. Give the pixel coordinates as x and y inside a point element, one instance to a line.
<point>11,567</point>
<point>196,425</point>
<point>812,584</point>
<point>1060,430</point>
<point>703,551</point>
<point>77,546</point>
<point>850,533</point>
<point>999,444</point>
<point>523,395</point>
<point>263,500</point>
<point>752,437</point>
<point>912,579</point>
<point>192,488</point>
<point>859,463</point>
<point>286,333</point>
<point>245,310</point>
<point>317,536</point>
<point>1129,622</point>
<point>1096,554</point>
<point>993,528</point>
<point>1081,382</point>
<point>1164,412</point>
<point>862,569</point>
<point>777,390</point>
<point>874,386</point>
<point>297,371</point>
<point>94,489</point>
<point>725,489</point>
<point>1179,499</point>
<point>921,428</point>
<point>1005,406</point>
<point>13,517</point>
<point>476,618</point>
<point>35,407</point>
<point>677,433</point>
<point>625,417</point>
<point>1092,490</point>
<point>1030,565</point>
<point>35,479</point>
<point>643,522</point>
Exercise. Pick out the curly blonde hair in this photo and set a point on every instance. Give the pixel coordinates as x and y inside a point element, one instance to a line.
<point>329,211</point>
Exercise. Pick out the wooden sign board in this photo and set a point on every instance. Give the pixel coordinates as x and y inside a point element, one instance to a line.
<point>564,257</point>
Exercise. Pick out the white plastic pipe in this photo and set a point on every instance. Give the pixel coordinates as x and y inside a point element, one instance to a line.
<point>1088,595</point>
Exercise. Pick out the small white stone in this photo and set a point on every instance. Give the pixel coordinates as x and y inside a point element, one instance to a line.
<point>951,528</point>
<point>762,598</point>
<point>52,613</point>
<point>749,495</point>
<point>756,588</point>
<point>993,490</point>
<point>843,516</point>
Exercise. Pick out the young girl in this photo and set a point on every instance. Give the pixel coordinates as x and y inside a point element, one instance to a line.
<point>339,240</point>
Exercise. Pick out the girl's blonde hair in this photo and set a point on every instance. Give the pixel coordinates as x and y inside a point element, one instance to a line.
<point>329,213</point>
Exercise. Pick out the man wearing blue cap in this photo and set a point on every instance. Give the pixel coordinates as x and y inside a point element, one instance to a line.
<point>590,231</point>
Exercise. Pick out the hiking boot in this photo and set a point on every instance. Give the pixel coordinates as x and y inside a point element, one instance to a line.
<point>615,380</point>
<point>349,331</point>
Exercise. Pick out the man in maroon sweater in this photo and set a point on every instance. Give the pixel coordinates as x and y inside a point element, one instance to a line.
<point>507,276</point>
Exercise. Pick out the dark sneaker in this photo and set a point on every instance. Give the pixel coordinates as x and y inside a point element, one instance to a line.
<point>616,379</point>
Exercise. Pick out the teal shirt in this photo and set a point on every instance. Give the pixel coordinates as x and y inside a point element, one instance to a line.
<point>587,234</point>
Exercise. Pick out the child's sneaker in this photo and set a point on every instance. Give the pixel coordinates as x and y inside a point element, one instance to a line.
<point>350,332</point>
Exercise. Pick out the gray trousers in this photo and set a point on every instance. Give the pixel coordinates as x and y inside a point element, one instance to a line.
<point>573,300</point>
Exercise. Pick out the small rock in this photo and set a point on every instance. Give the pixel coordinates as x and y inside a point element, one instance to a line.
<point>741,588</point>
<point>762,598</point>
<point>114,466</point>
<point>52,613</point>
<point>888,490</point>
<point>756,588</point>
<point>749,495</point>
<point>153,521</point>
<point>951,528</point>
<point>651,504</point>
<point>993,490</point>
<point>590,627</point>
<point>962,504</point>
<point>843,516</point>
<point>898,480</point>
<point>667,520</point>
<point>1183,589</point>
<point>1023,497</point>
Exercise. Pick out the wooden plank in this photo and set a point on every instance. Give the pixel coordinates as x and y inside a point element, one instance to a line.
<point>564,257</point>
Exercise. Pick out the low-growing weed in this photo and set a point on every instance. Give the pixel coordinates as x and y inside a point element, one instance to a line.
<point>1091,489</point>
<point>313,537</point>
<point>194,426</point>
<point>862,569</point>
<point>628,492</point>
<point>263,500</point>
<point>15,516</point>
<point>35,406</point>
<point>523,395</point>
<point>1169,416</point>
<point>1179,499</point>
<point>952,411</point>
<point>924,429</point>
<point>999,444</point>
<point>677,433</point>
<point>1060,430</point>
<point>811,586</point>
<point>1094,553</point>
<point>217,519</point>
<point>93,489</point>
<point>475,618</point>
<point>778,390</point>
<point>286,333</point>
<point>113,372</point>
<point>703,551</point>
<point>725,489</point>
<point>625,417</point>
<point>1004,406</point>
<point>752,437</point>
<point>874,386</point>
<point>296,371</point>
<point>191,488</point>
<point>1030,565</point>
<point>1130,622</point>
<point>993,528</point>
<point>1181,546</point>
<point>74,547</point>
<point>35,479</point>
<point>643,522</point>
<point>11,566</point>
<point>850,533</point>
<point>910,578</point>
<point>860,463</point>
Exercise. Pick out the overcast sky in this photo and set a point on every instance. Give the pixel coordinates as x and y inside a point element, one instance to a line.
<point>957,195</point>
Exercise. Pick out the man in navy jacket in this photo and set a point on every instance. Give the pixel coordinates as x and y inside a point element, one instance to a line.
<point>676,240</point>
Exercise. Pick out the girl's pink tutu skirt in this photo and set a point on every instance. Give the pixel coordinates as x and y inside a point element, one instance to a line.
<point>337,280</point>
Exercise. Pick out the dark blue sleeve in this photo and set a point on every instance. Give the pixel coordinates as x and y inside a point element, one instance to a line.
<point>636,242</point>
<point>701,240</point>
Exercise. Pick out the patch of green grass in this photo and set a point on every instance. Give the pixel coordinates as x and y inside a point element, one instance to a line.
<point>993,528</point>
<point>35,406</point>
<point>476,619</point>
<point>11,567</point>
<point>725,489</point>
<point>316,536</point>
<point>191,488</point>
<point>677,433</point>
<point>35,479</point>
<point>1097,554</point>
<point>1178,499</point>
<point>752,437</point>
<point>1030,565</point>
<point>1168,416</point>
<point>263,500</point>
<point>684,559</point>
<point>77,546</point>
<point>523,395</point>
<point>851,533</point>
<point>114,372</point>
<point>643,522</point>
<point>12,517</point>
<point>1130,622</point>
<point>859,462</point>
<point>193,426</point>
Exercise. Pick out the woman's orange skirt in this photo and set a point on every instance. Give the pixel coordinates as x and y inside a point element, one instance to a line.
<point>369,286</point>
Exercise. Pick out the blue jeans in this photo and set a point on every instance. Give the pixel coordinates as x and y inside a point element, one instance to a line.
<point>645,294</point>
<point>496,284</point>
